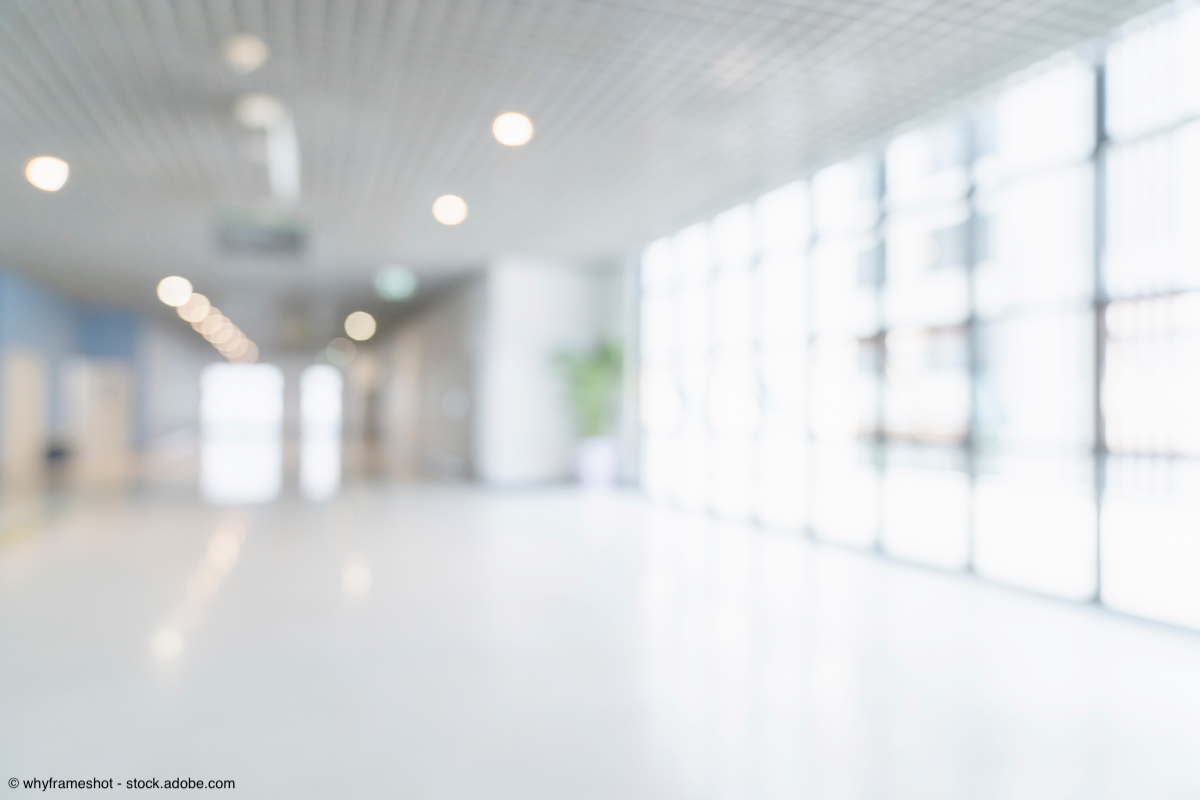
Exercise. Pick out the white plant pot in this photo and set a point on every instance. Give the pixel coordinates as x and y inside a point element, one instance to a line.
<point>596,462</point>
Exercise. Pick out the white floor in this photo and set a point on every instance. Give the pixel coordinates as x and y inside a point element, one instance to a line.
<point>424,642</point>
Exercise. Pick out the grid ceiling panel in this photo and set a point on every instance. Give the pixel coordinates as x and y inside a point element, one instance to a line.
<point>649,114</point>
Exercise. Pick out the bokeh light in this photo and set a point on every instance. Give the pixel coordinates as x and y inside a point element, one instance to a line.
<point>512,129</point>
<point>47,173</point>
<point>360,326</point>
<point>449,209</point>
<point>246,52</point>
<point>195,309</point>
<point>394,282</point>
<point>174,291</point>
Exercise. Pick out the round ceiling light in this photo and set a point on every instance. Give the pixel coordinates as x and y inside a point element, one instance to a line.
<point>174,291</point>
<point>195,309</point>
<point>394,282</point>
<point>246,53</point>
<point>248,357</point>
<point>449,209</point>
<point>47,173</point>
<point>360,326</point>
<point>223,334</point>
<point>512,129</point>
<point>211,324</point>
<point>213,311</point>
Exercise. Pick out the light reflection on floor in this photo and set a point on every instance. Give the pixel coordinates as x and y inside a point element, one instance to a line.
<point>447,642</point>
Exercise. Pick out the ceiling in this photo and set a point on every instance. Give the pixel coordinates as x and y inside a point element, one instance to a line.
<point>649,113</point>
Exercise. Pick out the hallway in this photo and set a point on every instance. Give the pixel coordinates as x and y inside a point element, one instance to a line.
<point>436,642</point>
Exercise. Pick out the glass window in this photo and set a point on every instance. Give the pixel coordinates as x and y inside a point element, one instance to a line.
<point>1037,243</point>
<point>731,494</point>
<point>1035,522</point>
<point>732,301</point>
<point>846,196</point>
<point>1152,75</point>
<point>782,218</point>
<point>1153,201</point>
<point>658,265</point>
<point>320,431</point>
<point>1151,388</point>
<point>917,370</point>
<point>733,238</point>
<point>846,275</point>
<point>782,303</point>
<point>782,499</point>
<point>844,388</point>
<point>927,384</point>
<point>689,485</point>
<point>782,443</point>
<point>1036,382</point>
<point>1150,538</point>
<point>1043,120</point>
<point>928,166</point>
<point>241,414</point>
<point>926,274</point>
<point>659,325</point>
<point>845,492</point>
<point>926,504</point>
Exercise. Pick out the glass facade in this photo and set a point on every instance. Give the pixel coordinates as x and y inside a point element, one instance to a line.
<point>977,347</point>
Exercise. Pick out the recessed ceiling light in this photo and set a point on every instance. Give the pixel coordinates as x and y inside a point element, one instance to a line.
<point>174,291</point>
<point>449,209</point>
<point>245,52</point>
<point>212,324</point>
<point>195,309</point>
<point>47,173</point>
<point>360,326</point>
<point>512,129</point>
<point>259,111</point>
<point>394,282</point>
<point>248,357</point>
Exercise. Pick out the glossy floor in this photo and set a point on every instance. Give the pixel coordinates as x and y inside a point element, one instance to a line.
<point>425,642</point>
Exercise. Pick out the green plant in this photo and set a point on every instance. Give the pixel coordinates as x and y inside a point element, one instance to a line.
<point>593,380</point>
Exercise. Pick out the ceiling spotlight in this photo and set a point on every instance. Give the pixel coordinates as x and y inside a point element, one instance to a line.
<point>211,324</point>
<point>449,209</point>
<point>512,129</point>
<point>236,346</point>
<point>394,282</point>
<point>246,53</point>
<point>47,173</point>
<point>195,309</point>
<point>174,291</point>
<point>248,357</point>
<point>259,111</point>
<point>360,326</point>
<point>340,352</point>
<point>223,335</point>
<point>198,326</point>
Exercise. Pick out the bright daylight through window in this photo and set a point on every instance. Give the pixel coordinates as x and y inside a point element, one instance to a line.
<point>931,342</point>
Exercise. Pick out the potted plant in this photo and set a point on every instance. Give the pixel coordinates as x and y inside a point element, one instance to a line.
<point>593,383</point>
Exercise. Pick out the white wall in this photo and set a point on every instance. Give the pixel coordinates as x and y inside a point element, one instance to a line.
<point>533,309</point>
